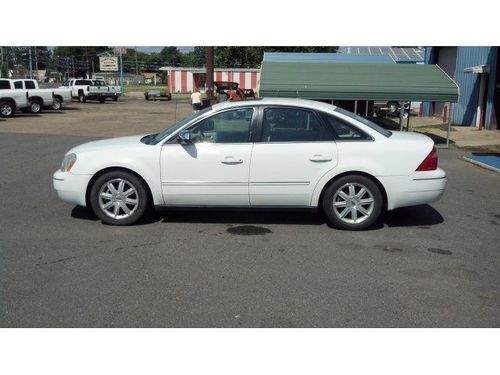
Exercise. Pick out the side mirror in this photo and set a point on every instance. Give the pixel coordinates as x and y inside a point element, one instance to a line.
<point>185,136</point>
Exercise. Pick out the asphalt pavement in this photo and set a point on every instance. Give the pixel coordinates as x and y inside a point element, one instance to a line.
<point>427,266</point>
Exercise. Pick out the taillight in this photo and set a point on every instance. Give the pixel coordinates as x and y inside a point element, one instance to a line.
<point>430,162</point>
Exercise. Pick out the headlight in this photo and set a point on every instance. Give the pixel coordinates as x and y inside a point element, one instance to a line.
<point>68,162</point>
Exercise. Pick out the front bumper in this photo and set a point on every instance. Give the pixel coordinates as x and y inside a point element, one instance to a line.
<point>419,188</point>
<point>71,187</point>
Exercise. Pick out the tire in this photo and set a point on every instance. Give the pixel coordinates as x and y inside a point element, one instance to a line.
<point>81,97</point>
<point>102,100</point>
<point>101,196</point>
<point>114,98</point>
<point>352,211</point>
<point>57,104</point>
<point>393,107</point>
<point>7,109</point>
<point>35,106</point>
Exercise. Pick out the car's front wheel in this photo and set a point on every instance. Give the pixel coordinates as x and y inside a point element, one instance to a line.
<point>119,198</point>
<point>7,109</point>
<point>352,202</point>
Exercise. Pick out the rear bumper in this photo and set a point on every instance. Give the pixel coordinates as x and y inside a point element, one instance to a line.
<point>418,188</point>
<point>71,188</point>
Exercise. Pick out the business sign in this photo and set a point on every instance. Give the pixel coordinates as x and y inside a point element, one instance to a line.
<point>121,50</point>
<point>108,63</point>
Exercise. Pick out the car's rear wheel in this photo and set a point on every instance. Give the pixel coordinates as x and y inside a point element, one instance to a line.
<point>119,198</point>
<point>57,104</point>
<point>352,202</point>
<point>102,99</point>
<point>81,97</point>
<point>35,106</point>
<point>115,98</point>
<point>7,109</point>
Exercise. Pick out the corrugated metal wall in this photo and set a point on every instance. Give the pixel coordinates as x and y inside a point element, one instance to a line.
<point>464,112</point>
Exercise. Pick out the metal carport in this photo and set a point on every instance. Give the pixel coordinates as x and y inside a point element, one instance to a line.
<point>344,81</point>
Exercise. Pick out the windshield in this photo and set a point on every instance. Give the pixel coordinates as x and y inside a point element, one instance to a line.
<point>167,132</point>
<point>365,121</point>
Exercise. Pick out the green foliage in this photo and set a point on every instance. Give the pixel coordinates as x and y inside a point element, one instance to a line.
<point>195,58</point>
<point>3,70</point>
<point>251,57</point>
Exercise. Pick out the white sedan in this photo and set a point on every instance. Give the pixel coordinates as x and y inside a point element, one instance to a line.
<point>282,153</point>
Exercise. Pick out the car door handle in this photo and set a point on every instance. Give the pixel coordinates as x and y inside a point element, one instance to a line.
<point>319,158</point>
<point>231,160</point>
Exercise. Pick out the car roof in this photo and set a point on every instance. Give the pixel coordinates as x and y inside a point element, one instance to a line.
<point>296,102</point>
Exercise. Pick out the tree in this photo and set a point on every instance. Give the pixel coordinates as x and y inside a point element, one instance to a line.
<point>251,57</point>
<point>171,56</point>
<point>195,58</point>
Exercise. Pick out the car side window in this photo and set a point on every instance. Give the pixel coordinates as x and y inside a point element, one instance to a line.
<point>4,85</point>
<point>30,85</point>
<point>293,125</point>
<point>344,131</point>
<point>18,85</point>
<point>226,127</point>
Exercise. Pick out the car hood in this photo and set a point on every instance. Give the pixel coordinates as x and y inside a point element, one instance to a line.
<point>106,144</point>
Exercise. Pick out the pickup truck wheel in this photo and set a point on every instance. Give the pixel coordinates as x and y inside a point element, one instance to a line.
<point>81,97</point>
<point>57,104</point>
<point>35,106</point>
<point>393,107</point>
<point>115,98</point>
<point>6,109</point>
<point>102,100</point>
<point>119,198</point>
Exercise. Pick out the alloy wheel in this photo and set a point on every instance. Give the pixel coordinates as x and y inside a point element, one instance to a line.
<point>6,110</point>
<point>353,203</point>
<point>118,198</point>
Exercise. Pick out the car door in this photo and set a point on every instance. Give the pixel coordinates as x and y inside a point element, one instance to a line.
<point>294,149</point>
<point>212,168</point>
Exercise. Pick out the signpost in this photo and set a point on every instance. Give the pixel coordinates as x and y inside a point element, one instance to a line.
<point>120,51</point>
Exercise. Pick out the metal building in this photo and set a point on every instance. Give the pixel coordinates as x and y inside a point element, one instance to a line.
<point>476,71</point>
<point>185,80</point>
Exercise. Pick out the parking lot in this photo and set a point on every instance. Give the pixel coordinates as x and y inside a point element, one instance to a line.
<point>427,266</point>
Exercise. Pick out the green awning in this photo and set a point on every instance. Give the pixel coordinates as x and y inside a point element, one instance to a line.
<point>339,81</point>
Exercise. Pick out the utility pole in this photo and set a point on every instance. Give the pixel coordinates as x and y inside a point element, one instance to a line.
<point>31,63</point>
<point>136,64</point>
<point>121,72</point>
<point>36,65</point>
<point>209,65</point>
<point>1,59</point>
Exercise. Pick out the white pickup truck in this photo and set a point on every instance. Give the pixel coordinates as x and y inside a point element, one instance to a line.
<point>37,98</point>
<point>11,100</point>
<point>91,89</point>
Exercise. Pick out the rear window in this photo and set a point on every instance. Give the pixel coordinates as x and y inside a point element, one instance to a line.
<point>18,85</point>
<point>83,82</point>
<point>370,124</point>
